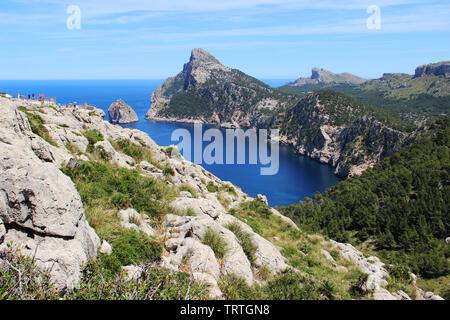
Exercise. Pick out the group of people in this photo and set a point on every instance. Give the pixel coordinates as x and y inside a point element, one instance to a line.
<point>41,97</point>
<point>31,96</point>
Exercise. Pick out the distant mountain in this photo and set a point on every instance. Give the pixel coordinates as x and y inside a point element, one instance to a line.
<point>322,76</point>
<point>328,126</point>
<point>434,69</point>
<point>418,98</point>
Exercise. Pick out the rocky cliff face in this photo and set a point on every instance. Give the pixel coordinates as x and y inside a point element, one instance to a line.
<point>322,76</point>
<point>434,69</point>
<point>120,112</point>
<point>316,128</point>
<point>40,209</point>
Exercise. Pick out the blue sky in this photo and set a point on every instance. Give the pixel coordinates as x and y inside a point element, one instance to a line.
<point>152,39</point>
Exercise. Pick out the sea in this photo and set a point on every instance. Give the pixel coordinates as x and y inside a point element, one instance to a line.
<point>298,176</point>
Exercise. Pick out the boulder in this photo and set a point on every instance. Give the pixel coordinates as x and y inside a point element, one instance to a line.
<point>120,112</point>
<point>106,248</point>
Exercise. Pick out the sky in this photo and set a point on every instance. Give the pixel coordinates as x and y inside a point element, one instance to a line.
<point>268,39</point>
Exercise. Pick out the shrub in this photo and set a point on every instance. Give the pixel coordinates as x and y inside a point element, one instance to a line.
<point>37,126</point>
<point>133,247</point>
<point>102,153</point>
<point>101,279</point>
<point>256,208</point>
<point>244,239</point>
<point>110,187</point>
<point>190,189</point>
<point>168,171</point>
<point>292,286</point>
<point>212,187</point>
<point>93,136</point>
<point>19,278</point>
<point>215,242</point>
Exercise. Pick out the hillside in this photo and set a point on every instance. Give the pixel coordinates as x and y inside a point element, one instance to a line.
<point>399,208</point>
<point>105,213</point>
<point>417,98</point>
<point>325,126</point>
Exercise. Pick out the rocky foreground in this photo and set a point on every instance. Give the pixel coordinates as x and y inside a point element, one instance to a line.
<point>42,213</point>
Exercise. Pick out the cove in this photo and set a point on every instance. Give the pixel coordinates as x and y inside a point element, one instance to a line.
<point>298,176</point>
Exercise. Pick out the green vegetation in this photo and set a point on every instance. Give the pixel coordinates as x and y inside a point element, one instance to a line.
<point>302,251</point>
<point>245,241</point>
<point>216,242</point>
<point>136,248</point>
<point>37,126</point>
<point>401,204</point>
<point>106,188</point>
<point>188,188</point>
<point>212,187</point>
<point>288,286</point>
<point>19,280</point>
<point>398,94</point>
<point>93,136</point>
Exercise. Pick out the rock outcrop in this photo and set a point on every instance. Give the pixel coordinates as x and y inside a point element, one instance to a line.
<point>40,209</point>
<point>322,76</point>
<point>120,112</point>
<point>435,69</point>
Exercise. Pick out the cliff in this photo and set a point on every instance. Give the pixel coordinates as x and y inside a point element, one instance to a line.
<point>435,69</point>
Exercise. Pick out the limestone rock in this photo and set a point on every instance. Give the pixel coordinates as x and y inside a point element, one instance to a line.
<point>120,112</point>
<point>132,272</point>
<point>131,219</point>
<point>40,208</point>
<point>213,287</point>
<point>106,248</point>
<point>434,69</point>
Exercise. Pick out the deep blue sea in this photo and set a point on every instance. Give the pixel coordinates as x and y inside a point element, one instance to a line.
<point>298,176</point>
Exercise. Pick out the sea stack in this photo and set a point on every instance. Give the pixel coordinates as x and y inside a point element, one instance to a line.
<point>121,112</point>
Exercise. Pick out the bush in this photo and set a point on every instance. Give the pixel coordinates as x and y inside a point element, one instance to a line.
<point>103,184</point>
<point>212,187</point>
<point>93,136</point>
<point>168,171</point>
<point>37,126</point>
<point>215,242</point>
<point>244,239</point>
<point>256,208</point>
<point>20,280</point>
<point>292,286</point>
<point>190,189</point>
<point>134,248</point>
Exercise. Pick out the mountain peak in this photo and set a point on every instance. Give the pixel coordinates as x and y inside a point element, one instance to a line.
<point>201,56</point>
<point>320,75</point>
